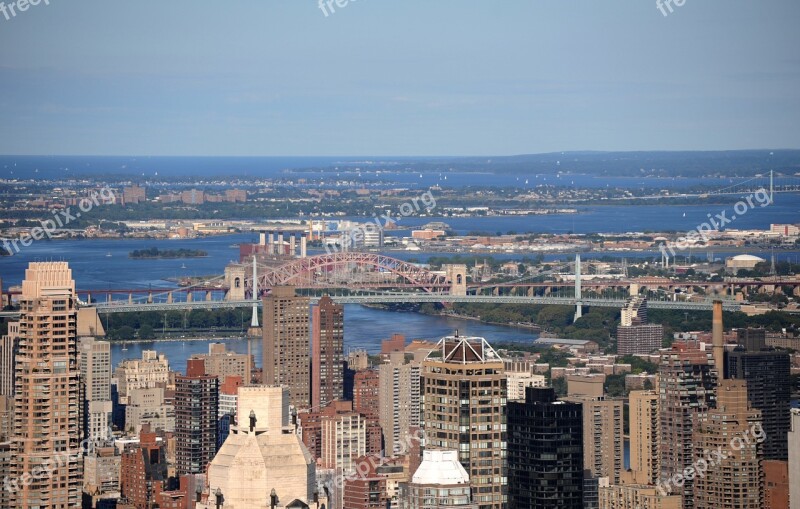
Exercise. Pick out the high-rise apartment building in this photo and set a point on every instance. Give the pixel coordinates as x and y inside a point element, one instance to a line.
<point>545,452</point>
<point>94,359</point>
<point>439,482</point>
<point>464,409</point>
<point>733,426</point>
<point>734,480</point>
<point>767,374</point>
<point>196,407</point>
<point>286,349</point>
<point>644,441</point>
<point>47,405</point>
<point>327,359</point>
<point>602,436</point>
<point>133,194</point>
<point>343,438</point>
<point>687,383</point>
<point>366,392</point>
<point>399,400</point>
<point>366,401</point>
<point>143,470</point>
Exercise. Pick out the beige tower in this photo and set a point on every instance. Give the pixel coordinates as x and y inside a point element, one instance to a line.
<point>734,427</point>
<point>735,480</point>
<point>47,417</point>
<point>644,436</point>
<point>286,348</point>
<point>262,453</point>
<point>464,409</point>
<point>399,401</point>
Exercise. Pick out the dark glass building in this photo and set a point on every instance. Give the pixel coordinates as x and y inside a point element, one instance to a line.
<point>767,374</point>
<point>545,452</point>
<point>196,424</point>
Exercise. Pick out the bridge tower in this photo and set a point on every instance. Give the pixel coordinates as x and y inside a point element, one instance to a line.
<point>234,280</point>
<point>457,276</point>
<point>578,303</point>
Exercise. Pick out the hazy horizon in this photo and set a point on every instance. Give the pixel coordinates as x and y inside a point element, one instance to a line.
<point>416,78</point>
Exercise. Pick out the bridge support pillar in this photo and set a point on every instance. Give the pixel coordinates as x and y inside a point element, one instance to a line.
<point>457,277</point>
<point>208,295</point>
<point>130,298</point>
<point>150,298</point>
<point>189,297</point>
<point>108,298</point>
<point>633,289</point>
<point>169,298</point>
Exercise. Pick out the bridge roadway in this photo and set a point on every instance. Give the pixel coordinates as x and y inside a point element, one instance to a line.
<point>125,307</point>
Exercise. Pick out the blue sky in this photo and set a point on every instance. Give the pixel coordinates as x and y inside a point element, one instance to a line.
<point>411,77</point>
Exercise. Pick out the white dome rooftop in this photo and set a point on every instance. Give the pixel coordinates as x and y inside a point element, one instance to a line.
<point>440,467</point>
<point>748,258</point>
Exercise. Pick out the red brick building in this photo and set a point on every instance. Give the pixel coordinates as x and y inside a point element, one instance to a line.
<point>143,471</point>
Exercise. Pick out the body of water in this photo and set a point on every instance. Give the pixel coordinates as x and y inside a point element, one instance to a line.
<point>364,328</point>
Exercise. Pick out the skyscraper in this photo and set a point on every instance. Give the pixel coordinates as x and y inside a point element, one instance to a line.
<point>734,479</point>
<point>602,427</point>
<point>47,365</point>
<point>767,373</point>
<point>545,452</point>
<point>464,409</point>
<point>686,382</point>
<point>327,360</point>
<point>94,359</point>
<point>644,441</point>
<point>286,350</point>
<point>196,407</point>
<point>399,400</point>
<point>343,436</point>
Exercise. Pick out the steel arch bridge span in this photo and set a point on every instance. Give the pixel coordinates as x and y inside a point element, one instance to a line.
<point>315,271</point>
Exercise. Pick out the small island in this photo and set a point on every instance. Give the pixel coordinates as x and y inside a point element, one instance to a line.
<point>153,252</point>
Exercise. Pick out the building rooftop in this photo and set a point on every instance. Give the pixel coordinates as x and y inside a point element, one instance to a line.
<point>441,467</point>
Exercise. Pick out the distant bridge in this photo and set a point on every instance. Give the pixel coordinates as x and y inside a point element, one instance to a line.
<point>417,298</point>
<point>356,277</point>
